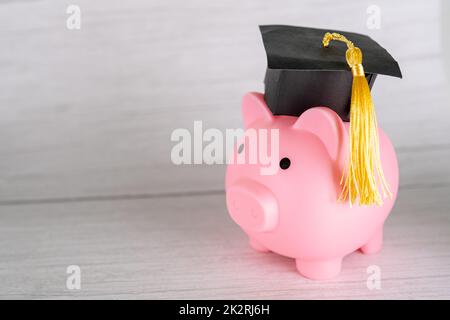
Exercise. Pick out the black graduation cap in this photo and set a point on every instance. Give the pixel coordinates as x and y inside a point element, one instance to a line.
<point>302,73</point>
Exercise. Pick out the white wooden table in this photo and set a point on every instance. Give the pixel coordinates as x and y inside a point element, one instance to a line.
<point>85,171</point>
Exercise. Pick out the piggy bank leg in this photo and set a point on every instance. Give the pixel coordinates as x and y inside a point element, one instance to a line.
<point>319,270</point>
<point>375,243</point>
<point>255,244</point>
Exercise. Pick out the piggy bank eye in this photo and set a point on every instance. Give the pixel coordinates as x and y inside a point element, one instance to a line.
<point>285,163</point>
<point>241,148</point>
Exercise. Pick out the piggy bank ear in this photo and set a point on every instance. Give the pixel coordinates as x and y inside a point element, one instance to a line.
<point>328,126</point>
<point>255,108</point>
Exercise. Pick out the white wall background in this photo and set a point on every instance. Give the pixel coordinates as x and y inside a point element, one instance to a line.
<point>90,112</point>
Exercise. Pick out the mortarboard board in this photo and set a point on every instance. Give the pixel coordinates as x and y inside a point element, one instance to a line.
<point>302,73</point>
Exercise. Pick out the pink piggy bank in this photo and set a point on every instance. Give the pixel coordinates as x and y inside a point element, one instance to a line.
<point>295,211</point>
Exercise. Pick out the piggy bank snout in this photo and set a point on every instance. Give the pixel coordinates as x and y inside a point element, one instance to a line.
<point>252,206</point>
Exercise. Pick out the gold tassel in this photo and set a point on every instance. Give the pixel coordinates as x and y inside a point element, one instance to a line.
<point>363,177</point>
